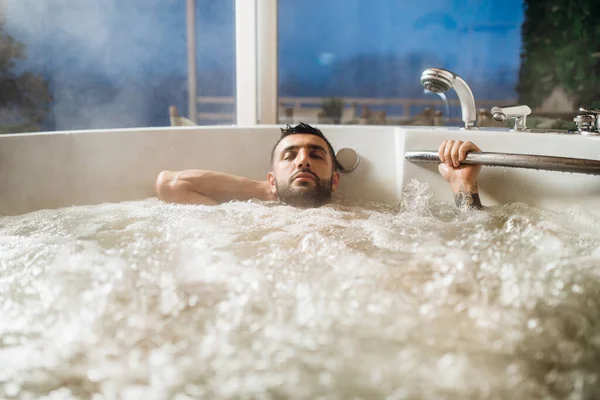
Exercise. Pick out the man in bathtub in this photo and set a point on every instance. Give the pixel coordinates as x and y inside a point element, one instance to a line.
<point>304,174</point>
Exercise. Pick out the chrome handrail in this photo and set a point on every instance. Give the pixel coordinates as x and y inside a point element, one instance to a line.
<point>528,161</point>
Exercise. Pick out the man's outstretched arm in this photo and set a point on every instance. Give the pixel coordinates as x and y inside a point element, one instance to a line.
<point>208,187</point>
<point>462,178</point>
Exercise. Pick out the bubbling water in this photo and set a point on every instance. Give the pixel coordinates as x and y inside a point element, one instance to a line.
<point>252,300</point>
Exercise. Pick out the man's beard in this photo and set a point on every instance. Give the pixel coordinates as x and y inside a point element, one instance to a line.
<point>304,196</point>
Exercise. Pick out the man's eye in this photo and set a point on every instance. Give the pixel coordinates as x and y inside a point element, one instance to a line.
<point>288,156</point>
<point>317,155</point>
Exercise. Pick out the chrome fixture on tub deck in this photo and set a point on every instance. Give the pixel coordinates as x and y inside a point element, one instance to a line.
<point>588,123</point>
<point>518,112</point>
<point>440,80</point>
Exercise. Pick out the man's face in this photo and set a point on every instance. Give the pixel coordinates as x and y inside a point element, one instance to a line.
<point>303,171</point>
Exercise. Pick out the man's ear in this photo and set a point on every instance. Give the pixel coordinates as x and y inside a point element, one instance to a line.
<point>271,179</point>
<point>335,181</point>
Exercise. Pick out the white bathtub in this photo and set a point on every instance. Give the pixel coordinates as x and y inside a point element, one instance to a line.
<point>49,170</point>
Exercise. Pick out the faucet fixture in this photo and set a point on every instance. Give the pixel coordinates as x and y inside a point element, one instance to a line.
<point>440,80</point>
<point>588,123</point>
<point>518,112</point>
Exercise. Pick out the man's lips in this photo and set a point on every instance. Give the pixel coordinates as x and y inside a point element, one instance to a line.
<point>305,175</point>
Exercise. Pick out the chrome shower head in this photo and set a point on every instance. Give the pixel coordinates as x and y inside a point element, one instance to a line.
<point>437,80</point>
<point>440,80</point>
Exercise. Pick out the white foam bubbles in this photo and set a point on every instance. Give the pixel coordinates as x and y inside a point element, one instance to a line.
<point>256,299</point>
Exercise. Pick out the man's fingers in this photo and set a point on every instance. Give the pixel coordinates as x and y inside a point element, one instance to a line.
<point>465,148</point>
<point>474,148</point>
<point>441,151</point>
<point>448,151</point>
<point>454,153</point>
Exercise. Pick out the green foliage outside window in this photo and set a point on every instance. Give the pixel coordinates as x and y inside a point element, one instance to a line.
<point>561,47</point>
<point>333,108</point>
<point>24,96</point>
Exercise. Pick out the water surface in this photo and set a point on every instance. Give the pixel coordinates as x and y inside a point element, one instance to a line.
<point>252,300</point>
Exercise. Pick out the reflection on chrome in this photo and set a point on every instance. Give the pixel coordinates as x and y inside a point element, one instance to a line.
<point>518,112</point>
<point>440,80</point>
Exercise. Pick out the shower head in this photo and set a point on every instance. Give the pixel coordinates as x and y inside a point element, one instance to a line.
<point>438,80</point>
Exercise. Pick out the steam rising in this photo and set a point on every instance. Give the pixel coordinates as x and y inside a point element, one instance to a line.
<point>118,64</point>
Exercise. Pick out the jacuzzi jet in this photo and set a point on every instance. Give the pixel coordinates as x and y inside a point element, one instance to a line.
<point>439,80</point>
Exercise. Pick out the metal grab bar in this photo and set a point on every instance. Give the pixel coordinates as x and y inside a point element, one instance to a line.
<point>528,161</point>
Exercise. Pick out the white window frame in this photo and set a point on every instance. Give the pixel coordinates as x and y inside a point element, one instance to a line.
<point>191,59</point>
<point>256,61</point>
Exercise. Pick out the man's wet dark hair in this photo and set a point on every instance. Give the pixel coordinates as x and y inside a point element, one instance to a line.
<point>306,129</point>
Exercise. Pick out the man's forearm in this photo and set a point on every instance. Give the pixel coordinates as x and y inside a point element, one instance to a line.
<point>208,187</point>
<point>182,193</point>
<point>466,195</point>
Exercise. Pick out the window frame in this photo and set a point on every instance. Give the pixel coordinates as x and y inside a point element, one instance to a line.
<point>256,62</point>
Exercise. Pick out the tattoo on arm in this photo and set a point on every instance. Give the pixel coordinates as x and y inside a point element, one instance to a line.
<point>467,200</point>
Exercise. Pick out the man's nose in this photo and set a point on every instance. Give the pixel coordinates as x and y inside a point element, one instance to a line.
<point>303,160</point>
